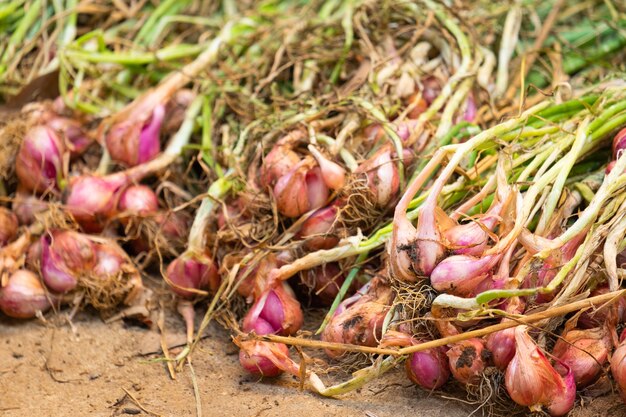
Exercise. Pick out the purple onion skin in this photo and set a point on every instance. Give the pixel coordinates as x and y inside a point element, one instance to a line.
<point>39,162</point>
<point>23,296</point>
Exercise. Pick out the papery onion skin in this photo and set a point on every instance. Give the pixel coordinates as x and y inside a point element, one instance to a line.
<point>333,174</point>
<point>8,225</point>
<point>531,380</point>
<point>359,320</point>
<point>584,352</point>
<point>39,162</point>
<point>468,359</point>
<point>23,296</point>
<point>300,190</point>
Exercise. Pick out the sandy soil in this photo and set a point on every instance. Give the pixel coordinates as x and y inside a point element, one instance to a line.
<point>48,370</point>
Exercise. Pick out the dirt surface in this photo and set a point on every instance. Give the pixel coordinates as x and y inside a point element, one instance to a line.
<point>48,370</point>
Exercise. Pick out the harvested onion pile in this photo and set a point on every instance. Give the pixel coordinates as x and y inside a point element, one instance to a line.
<point>375,162</point>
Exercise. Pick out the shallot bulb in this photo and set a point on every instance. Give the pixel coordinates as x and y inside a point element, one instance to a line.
<point>279,309</point>
<point>318,227</point>
<point>192,271</point>
<point>8,225</point>
<point>584,352</point>
<point>39,162</point>
<point>175,109</point>
<point>76,140</point>
<point>266,359</point>
<point>597,317</point>
<point>619,143</point>
<point>26,206</point>
<point>429,249</point>
<point>65,255</point>
<point>300,190</point>
<point>252,282</point>
<point>92,200</point>
<point>136,140</point>
<point>383,178</point>
<point>359,319</point>
<point>428,368</point>
<point>472,238</point>
<point>138,201</point>
<point>333,174</point>
<point>324,281</point>
<point>501,344</point>
<point>23,295</point>
<point>110,261</point>
<point>531,380</point>
<point>278,162</point>
<point>551,265</point>
<point>460,274</point>
<point>618,368</point>
<point>468,360</point>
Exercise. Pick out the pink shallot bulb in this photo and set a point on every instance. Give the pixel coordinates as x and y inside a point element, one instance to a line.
<point>383,179</point>
<point>76,140</point>
<point>317,229</point>
<point>192,271</point>
<point>265,358</point>
<point>23,295</point>
<point>65,255</point>
<point>472,238</point>
<point>39,162</point>
<point>135,141</point>
<point>279,309</point>
<point>92,200</point>
<point>460,274</point>
<point>428,368</point>
<point>333,174</point>
<point>300,190</point>
<point>531,380</point>
<point>138,201</point>
<point>26,206</point>
<point>584,352</point>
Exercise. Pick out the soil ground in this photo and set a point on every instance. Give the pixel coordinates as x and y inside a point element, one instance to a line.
<point>58,371</point>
